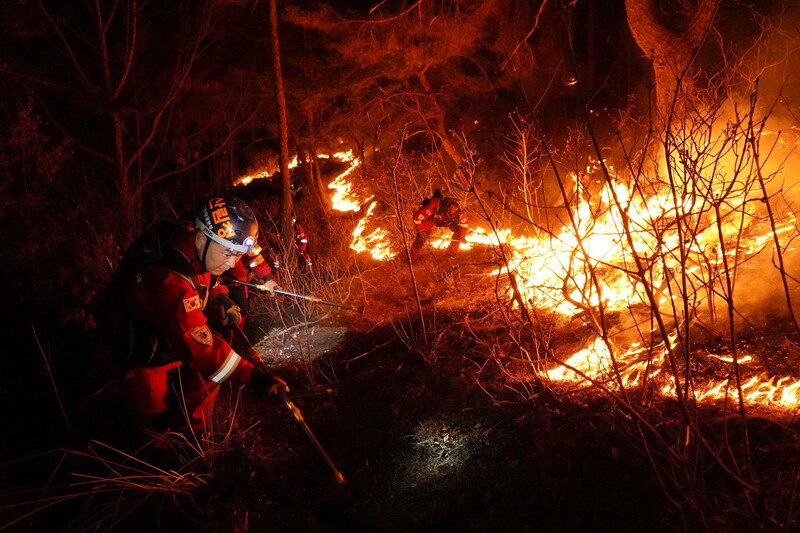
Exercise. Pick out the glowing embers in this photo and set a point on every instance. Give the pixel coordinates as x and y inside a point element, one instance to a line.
<point>761,390</point>
<point>596,364</point>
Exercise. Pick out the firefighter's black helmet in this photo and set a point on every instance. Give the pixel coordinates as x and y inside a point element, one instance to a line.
<point>228,221</point>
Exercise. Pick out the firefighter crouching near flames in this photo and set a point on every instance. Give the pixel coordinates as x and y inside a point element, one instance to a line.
<point>443,212</point>
<point>169,363</point>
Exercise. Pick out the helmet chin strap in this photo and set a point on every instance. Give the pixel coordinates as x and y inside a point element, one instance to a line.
<point>205,253</point>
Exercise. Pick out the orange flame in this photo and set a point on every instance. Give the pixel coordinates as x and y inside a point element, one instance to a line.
<point>343,198</point>
<point>592,262</point>
<point>377,243</point>
<point>266,173</point>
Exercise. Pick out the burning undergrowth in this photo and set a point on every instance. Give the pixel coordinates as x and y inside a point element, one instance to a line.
<point>662,280</point>
<point>632,434</point>
<point>643,260</point>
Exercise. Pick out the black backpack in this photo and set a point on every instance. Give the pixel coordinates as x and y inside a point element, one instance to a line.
<point>131,339</point>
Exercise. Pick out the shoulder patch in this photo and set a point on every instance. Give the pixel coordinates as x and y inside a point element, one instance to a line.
<point>192,303</point>
<point>202,335</point>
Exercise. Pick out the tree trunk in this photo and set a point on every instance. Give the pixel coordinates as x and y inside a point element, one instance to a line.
<point>439,122</point>
<point>287,230</point>
<point>670,50</point>
<point>129,200</point>
<point>222,177</point>
<point>313,163</point>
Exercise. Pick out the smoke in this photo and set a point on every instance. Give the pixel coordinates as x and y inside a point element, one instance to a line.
<point>758,46</point>
<point>771,59</point>
<point>778,92</point>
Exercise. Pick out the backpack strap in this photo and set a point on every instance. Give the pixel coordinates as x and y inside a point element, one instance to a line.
<point>175,261</point>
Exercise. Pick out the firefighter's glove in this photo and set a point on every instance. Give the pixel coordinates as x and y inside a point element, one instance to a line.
<point>224,312</point>
<point>265,381</point>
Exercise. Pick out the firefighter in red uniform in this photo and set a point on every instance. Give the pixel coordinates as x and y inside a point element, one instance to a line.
<point>170,362</point>
<point>301,243</point>
<point>443,212</point>
<point>252,268</point>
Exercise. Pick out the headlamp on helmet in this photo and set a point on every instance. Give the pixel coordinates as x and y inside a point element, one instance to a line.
<point>227,221</point>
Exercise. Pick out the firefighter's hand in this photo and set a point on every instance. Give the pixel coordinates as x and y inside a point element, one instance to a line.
<point>269,286</point>
<point>224,312</point>
<point>268,382</point>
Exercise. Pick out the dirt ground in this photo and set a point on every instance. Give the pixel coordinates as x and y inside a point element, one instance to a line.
<point>425,449</point>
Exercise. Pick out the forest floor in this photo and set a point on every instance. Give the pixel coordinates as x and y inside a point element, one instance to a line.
<point>435,439</point>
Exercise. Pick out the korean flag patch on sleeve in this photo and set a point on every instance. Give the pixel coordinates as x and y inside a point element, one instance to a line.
<point>192,303</point>
<point>201,335</point>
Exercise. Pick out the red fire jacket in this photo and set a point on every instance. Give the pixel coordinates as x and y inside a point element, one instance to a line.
<point>171,302</point>
<point>300,239</point>
<point>301,243</point>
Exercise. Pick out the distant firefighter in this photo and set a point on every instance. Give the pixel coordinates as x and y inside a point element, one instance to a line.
<point>301,243</point>
<point>442,212</point>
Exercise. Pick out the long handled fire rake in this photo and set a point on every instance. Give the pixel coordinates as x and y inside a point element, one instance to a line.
<point>263,287</point>
<point>255,357</point>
